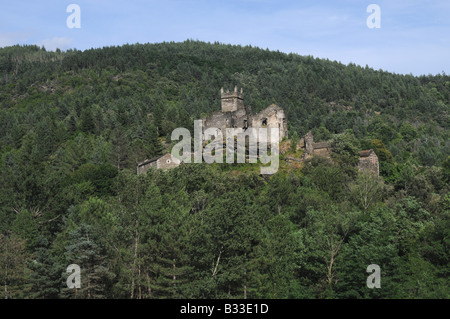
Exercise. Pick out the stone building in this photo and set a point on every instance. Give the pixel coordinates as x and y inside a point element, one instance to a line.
<point>322,149</point>
<point>161,162</point>
<point>311,148</point>
<point>368,160</point>
<point>234,114</point>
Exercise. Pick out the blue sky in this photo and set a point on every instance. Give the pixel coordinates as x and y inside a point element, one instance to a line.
<point>414,36</point>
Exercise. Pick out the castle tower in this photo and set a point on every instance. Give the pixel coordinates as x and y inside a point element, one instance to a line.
<point>309,141</point>
<point>232,101</point>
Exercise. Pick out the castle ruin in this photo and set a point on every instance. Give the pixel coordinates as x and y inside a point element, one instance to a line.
<point>368,159</point>
<point>235,114</point>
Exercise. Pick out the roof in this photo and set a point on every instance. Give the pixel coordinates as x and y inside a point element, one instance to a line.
<point>321,145</point>
<point>270,109</point>
<point>148,161</point>
<point>366,153</point>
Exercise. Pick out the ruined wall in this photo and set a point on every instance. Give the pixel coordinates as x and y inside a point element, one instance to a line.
<point>232,101</point>
<point>369,163</point>
<point>166,162</point>
<point>309,141</point>
<point>235,115</point>
<point>144,166</point>
<point>219,120</point>
<point>162,162</point>
<point>272,116</point>
<point>325,152</point>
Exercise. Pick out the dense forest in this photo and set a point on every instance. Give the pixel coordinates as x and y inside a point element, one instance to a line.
<point>74,125</point>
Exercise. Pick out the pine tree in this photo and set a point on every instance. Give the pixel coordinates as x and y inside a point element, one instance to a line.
<point>87,121</point>
<point>71,124</point>
<point>155,145</point>
<point>46,276</point>
<point>294,142</point>
<point>82,249</point>
<point>25,227</point>
<point>13,271</point>
<point>120,147</point>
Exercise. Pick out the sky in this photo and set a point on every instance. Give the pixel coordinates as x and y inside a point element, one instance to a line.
<point>413,36</point>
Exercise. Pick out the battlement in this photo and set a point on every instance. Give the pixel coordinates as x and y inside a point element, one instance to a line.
<point>235,93</point>
<point>232,101</point>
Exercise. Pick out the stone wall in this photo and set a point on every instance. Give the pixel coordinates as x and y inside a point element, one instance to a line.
<point>309,141</point>
<point>368,160</point>
<point>145,165</point>
<point>161,162</point>
<point>166,162</point>
<point>272,117</point>
<point>235,114</point>
<point>232,101</point>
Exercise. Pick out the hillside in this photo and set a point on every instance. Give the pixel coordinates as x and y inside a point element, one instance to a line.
<point>73,126</point>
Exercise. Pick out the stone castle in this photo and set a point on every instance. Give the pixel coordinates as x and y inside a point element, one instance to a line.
<point>235,114</point>
<point>368,159</point>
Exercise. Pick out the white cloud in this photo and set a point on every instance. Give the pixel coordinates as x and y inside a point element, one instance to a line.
<point>12,38</point>
<point>61,43</point>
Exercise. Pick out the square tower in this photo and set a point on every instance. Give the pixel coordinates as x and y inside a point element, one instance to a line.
<point>232,101</point>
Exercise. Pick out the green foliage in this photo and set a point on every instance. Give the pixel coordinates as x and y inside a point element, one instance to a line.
<point>345,148</point>
<point>13,270</point>
<point>321,134</point>
<point>100,177</point>
<point>446,172</point>
<point>25,227</point>
<point>294,141</point>
<point>46,271</point>
<point>82,249</point>
<point>73,126</point>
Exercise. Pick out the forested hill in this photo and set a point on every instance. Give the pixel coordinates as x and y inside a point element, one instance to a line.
<point>74,124</point>
<point>179,82</point>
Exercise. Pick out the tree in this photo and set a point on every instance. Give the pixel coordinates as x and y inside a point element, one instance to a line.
<point>120,147</point>
<point>345,150</point>
<point>372,241</point>
<point>13,271</point>
<point>26,228</point>
<point>82,249</point>
<point>327,177</point>
<point>155,146</point>
<point>46,271</point>
<point>87,121</point>
<point>162,263</point>
<point>367,189</point>
<point>294,142</point>
<point>276,260</point>
<point>321,134</point>
<point>71,124</point>
<point>408,132</point>
<point>222,247</point>
<point>446,168</point>
<point>330,229</point>
<point>380,149</point>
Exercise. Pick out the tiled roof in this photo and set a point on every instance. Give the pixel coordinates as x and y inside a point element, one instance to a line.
<point>365,153</point>
<point>148,161</point>
<point>321,145</point>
